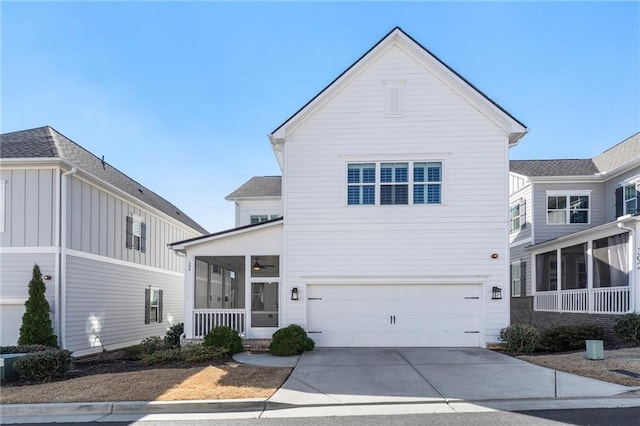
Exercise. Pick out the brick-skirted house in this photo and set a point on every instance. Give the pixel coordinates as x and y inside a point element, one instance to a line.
<point>574,237</point>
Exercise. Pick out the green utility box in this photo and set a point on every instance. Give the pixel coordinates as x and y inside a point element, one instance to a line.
<point>6,365</point>
<point>595,349</point>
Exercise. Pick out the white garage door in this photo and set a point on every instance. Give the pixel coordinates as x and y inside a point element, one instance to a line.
<point>394,315</point>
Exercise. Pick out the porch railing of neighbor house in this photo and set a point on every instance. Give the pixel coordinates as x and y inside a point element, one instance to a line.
<point>608,300</point>
<point>206,319</point>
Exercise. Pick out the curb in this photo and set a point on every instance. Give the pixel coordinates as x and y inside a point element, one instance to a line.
<point>133,407</point>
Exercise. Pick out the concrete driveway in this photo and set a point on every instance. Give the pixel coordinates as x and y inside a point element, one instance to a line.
<point>394,375</point>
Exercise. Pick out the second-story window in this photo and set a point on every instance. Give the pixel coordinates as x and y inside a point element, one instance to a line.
<point>394,187</point>
<point>136,237</point>
<point>631,198</point>
<point>517,216</point>
<point>567,209</point>
<point>259,219</point>
<point>361,179</point>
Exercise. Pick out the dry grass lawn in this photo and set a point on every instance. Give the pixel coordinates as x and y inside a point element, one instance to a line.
<point>227,381</point>
<point>577,363</point>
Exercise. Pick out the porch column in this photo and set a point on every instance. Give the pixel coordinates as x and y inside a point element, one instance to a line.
<point>247,296</point>
<point>590,270</point>
<point>189,294</point>
<point>559,278</point>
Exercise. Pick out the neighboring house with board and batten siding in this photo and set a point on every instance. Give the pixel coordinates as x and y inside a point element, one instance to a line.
<point>99,237</point>
<point>388,226</point>
<point>575,238</point>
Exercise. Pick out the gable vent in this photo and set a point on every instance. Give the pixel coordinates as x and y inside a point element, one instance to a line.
<point>394,98</point>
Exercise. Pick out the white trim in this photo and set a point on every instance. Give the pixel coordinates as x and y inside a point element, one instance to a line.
<point>378,280</point>
<point>3,204</point>
<point>558,192</point>
<point>519,243</point>
<point>383,158</point>
<point>30,163</point>
<point>231,233</point>
<point>13,301</point>
<point>98,258</point>
<point>29,250</point>
<point>634,179</point>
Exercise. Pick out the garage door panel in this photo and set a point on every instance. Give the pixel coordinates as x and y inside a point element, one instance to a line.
<point>394,315</point>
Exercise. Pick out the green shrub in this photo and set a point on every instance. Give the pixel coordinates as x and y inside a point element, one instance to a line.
<point>628,327</point>
<point>36,322</point>
<point>24,349</point>
<point>135,352</point>
<point>153,344</point>
<point>200,353</point>
<point>162,356</point>
<point>569,337</point>
<point>520,338</point>
<point>44,366</point>
<point>291,340</point>
<point>172,338</point>
<point>224,338</point>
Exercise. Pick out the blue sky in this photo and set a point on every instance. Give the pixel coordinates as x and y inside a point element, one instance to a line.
<point>180,96</point>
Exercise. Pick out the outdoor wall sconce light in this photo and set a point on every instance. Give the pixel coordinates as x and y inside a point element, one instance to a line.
<point>294,293</point>
<point>494,256</point>
<point>46,277</point>
<point>496,293</point>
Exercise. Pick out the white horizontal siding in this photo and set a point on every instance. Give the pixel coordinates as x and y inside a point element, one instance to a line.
<point>247,208</point>
<point>108,300</point>
<point>17,271</point>
<point>30,197</point>
<point>324,236</point>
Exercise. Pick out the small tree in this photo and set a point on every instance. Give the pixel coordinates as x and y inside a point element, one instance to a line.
<point>36,323</point>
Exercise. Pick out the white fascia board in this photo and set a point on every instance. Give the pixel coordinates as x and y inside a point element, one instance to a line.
<point>621,169</point>
<point>566,179</point>
<point>269,197</point>
<point>31,163</point>
<point>586,234</point>
<point>182,246</point>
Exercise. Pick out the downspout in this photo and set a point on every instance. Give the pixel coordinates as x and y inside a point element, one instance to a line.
<point>632,272</point>
<point>56,282</point>
<point>63,255</point>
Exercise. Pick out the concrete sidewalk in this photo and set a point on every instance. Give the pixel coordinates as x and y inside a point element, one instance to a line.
<point>368,381</point>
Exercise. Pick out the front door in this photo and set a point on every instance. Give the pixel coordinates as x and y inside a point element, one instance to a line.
<point>264,305</point>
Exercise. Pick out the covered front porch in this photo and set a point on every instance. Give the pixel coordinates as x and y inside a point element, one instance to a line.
<point>240,292</point>
<point>593,272</point>
<point>233,279</point>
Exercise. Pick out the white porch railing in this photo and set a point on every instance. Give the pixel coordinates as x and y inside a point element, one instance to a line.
<point>574,300</point>
<point>609,300</point>
<point>546,301</point>
<point>206,319</point>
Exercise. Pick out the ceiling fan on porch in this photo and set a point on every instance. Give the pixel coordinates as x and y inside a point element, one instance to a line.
<point>257,266</point>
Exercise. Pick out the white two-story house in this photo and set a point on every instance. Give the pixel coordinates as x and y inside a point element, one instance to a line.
<point>574,235</point>
<point>387,227</point>
<point>99,237</point>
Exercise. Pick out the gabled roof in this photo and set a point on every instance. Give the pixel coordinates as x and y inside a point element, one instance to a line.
<point>258,186</point>
<point>623,154</point>
<point>442,70</point>
<point>46,142</point>
<point>181,245</point>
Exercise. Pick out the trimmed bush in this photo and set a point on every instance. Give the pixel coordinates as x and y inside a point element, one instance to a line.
<point>153,344</point>
<point>162,356</point>
<point>569,337</point>
<point>44,366</point>
<point>224,338</point>
<point>24,349</point>
<point>520,338</point>
<point>628,327</point>
<point>291,340</point>
<point>200,353</point>
<point>36,322</point>
<point>172,338</point>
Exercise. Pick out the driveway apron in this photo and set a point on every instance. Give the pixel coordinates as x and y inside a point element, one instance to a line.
<point>409,375</point>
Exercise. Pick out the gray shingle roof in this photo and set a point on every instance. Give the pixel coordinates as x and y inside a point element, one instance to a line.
<point>46,142</point>
<point>553,167</point>
<point>616,156</point>
<point>258,186</point>
<point>625,151</point>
